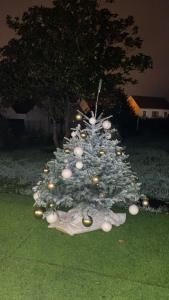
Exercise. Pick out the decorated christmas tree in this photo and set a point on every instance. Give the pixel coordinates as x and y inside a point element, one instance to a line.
<point>88,176</point>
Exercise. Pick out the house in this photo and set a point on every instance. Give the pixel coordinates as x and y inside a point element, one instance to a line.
<point>149,107</point>
<point>28,119</point>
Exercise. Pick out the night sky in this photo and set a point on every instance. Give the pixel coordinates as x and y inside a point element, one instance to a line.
<point>151,17</point>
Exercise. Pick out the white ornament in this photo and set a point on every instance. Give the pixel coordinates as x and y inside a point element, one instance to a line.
<point>106,226</point>
<point>106,124</point>
<point>92,121</point>
<point>66,173</point>
<point>133,209</point>
<point>52,218</point>
<point>73,133</point>
<point>36,196</point>
<point>65,161</point>
<point>79,165</point>
<point>78,151</point>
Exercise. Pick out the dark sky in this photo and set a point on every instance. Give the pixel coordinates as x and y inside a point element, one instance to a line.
<point>152,17</point>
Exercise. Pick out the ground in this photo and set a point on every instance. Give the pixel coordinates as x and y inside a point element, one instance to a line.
<point>40,263</point>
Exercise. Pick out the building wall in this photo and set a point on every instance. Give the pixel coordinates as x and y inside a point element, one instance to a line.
<point>161,113</point>
<point>36,119</point>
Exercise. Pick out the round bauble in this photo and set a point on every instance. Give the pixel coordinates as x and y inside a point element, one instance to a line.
<point>67,150</point>
<point>106,226</point>
<point>92,120</point>
<point>102,152</point>
<point>87,221</point>
<point>102,195</point>
<point>106,124</point>
<point>78,117</point>
<point>83,135</point>
<point>133,209</point>
<point>36,196</point>
<point>51,205</point>
<point>95,179</point>
<point>65,161</point>
<point>66,173</point>
<point>52,218</point>
<point>78,151</point>
<point>46,170</point>
<point>51,185</point>
<point>79,165</point>
<point>38,212</point>
<point>119,152</point>
<point>145,202</point>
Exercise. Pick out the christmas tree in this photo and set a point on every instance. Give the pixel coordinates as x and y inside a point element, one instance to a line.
<point>88,176</point>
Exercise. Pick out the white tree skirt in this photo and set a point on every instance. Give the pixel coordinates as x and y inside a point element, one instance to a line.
<point>71,222</point>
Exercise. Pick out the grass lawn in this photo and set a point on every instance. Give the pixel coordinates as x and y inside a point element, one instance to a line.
<point>38,263</point>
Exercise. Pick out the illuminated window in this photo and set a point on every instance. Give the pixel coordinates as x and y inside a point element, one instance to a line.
<point>155,114</point>
<point>165,114</point>
<point>144,114</point>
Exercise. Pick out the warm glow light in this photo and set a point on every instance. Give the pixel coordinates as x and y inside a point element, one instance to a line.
<point>134,106</point>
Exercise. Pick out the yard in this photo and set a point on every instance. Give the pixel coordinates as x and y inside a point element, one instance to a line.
<point>41,263</point>
<point>130,262</point>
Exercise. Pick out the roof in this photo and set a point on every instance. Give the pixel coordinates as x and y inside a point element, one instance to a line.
<point>151,102</point>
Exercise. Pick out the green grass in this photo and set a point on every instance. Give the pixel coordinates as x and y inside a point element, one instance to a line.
<point>38,263</point>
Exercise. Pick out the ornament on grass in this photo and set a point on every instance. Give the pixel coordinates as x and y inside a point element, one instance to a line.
<point>78,151</point>
<point>67,150</point>
<point>92,120</point>
<point>106,124</point>
<point>36,196</point>
<point>133,209</point>
<point>83,135</point>
<point>102,152</point>
<point>106,226</point>
<point>95,179</point>
<point>87,221</point>
<point>51,185</point>
<point>79,165</point>
<point>78,117</point>
<point>145,202</point>
<point>46,170</point>
<point>66,173</point>
<point>38,212</point>
<point>52,218</point>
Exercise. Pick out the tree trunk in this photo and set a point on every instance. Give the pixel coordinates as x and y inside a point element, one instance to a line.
<point>55,134</point>
<point>67,119</point>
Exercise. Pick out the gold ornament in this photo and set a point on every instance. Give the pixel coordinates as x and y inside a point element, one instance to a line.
<point>51,185</point>
<point>95,179</point>
<point>67,150</point>
<point>119,152</point>
<point>78,117</point>
<point>46,170</point>
<point>83,135</point>
<point>145,202</point>
<point>38,212</point>
<point>102,195</point>
<point>51,205</point>
<point>87,221</point>
<point>102,152</point>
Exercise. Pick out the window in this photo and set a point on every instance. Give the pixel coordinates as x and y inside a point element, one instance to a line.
<point>144,114</point>
<point>155,114</point>
<point>165,114</point>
